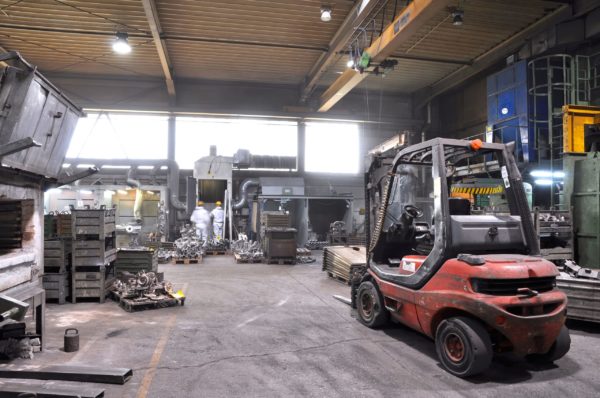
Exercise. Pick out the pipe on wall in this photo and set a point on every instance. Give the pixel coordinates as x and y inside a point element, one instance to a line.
<point>132,182</point>
<point>243,200</point>
<point>139,195</point>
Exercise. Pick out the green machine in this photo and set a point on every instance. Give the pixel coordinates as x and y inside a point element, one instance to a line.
<point>580,280</point>
<point>582,194</point>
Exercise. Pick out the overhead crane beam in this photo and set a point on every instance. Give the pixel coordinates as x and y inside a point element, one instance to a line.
<point>413,17</point>
<point>161,46</point>
<point>356,18</point>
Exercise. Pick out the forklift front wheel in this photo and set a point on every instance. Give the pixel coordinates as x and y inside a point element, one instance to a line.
<point>370,306</point>
<point>558,350</point>
<point>463,346</point>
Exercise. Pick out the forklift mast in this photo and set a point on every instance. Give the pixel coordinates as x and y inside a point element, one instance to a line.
<point>410,210</point>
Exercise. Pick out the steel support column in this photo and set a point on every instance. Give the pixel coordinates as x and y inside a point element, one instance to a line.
<point>301,146</point>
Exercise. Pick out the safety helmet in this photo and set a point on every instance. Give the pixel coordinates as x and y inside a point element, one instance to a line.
<point>200,203</point>
<point>218,203</point>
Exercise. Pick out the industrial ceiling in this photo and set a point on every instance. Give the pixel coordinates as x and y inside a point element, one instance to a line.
<point>265,41</point>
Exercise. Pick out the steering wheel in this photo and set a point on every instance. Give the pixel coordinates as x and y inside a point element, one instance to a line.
<point>413,211</point>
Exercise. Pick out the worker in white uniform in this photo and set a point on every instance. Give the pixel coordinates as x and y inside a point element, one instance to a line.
<point>218,219</point>
<point>201,218</point>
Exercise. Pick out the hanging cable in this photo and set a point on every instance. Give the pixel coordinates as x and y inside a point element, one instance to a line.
<point>395,10</point>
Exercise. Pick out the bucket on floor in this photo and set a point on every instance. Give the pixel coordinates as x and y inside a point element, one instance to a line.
<point>71,340</point>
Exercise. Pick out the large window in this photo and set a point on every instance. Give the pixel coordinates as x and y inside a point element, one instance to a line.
<point>260,137</point>
<point>332,148</point>
<point>119,136</point>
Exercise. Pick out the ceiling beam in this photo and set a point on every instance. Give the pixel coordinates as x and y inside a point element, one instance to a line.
<point>161,47</point>
<point>355,19</point>
<point>193,39</point>
<point>410,20</point>
<point>490,57</point>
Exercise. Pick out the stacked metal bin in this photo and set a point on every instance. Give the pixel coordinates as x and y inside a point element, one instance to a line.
<point>134,260</point>
<point>94,252</point>
<point>57,269</point>
<point>280,245</point>
<point>278,239</point>
<point>64,227</point>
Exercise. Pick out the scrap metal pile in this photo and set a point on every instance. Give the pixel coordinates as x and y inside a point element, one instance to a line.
<point>217,245</point>
<point>303,256</point>
<point>247,251</point>
<point>316,244</point>
<point>144,291</point>
<point>581,286</point>
<point>344,262</point>
<point>189,245</point>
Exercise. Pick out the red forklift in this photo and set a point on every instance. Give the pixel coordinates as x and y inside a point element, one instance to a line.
<point>469,278</point>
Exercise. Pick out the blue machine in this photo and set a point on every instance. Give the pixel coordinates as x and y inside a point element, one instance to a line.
<point>508,111</point>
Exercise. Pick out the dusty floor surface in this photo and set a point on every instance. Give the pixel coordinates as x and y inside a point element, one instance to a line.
<point>256,330</point>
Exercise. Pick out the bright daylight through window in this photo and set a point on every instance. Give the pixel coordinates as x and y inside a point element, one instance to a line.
<point>260,137</point>
<point>119,136</point>
<point>332,148</point>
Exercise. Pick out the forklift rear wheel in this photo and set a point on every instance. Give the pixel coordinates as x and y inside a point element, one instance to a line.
<point>558,350</point>
<point>370,307</point>
<point>463,346</point>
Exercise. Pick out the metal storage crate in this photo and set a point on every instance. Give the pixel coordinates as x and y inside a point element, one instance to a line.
<point>274,219</point>
<point>57,256</point>
<point>99,224</point>
<point>136,260</point>
<point>93,253</point>
<point>583,297</point>
<point>34,110</point>
<point>57,286</point>
<point>88,284</point>
<point>280,244</point>
<point>49,226</point>
<point>64,226</point>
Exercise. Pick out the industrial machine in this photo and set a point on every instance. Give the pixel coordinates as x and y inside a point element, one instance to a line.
<point>581,192</point>
<point>473,283</point>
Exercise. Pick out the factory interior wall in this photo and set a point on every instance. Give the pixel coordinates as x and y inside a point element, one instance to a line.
<point>383,118</point>
<point>463,112</point>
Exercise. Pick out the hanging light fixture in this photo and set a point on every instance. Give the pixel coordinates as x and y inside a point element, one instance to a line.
<point>457,16</point>
<point>326,13</point>
<point>121,44</point>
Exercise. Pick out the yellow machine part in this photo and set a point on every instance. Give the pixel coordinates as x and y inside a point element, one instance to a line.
<point>477,190</point>
<point>575,118</point>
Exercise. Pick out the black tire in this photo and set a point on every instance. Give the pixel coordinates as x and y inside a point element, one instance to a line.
<point>370,306</point>
<point>463,346</point>
<point>558,350</point>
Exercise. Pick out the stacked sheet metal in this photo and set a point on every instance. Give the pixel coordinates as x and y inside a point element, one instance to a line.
<point>342,262</point>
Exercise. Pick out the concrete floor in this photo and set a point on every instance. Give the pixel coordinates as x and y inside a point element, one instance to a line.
<point>257,330</point>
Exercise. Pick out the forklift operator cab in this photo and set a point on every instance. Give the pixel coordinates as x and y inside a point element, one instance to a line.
<point>420,209</point>
<point>474,282</point>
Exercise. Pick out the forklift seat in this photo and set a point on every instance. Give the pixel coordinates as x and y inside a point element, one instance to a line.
<point>459,206</point>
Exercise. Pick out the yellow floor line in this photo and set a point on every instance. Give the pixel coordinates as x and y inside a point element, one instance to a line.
<point>160,347</point>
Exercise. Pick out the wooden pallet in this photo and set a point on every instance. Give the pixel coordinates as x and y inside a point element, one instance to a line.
<point>215,253</point>
<point>338,278</point>
<point>187,261</point>
<point>240,260</point>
